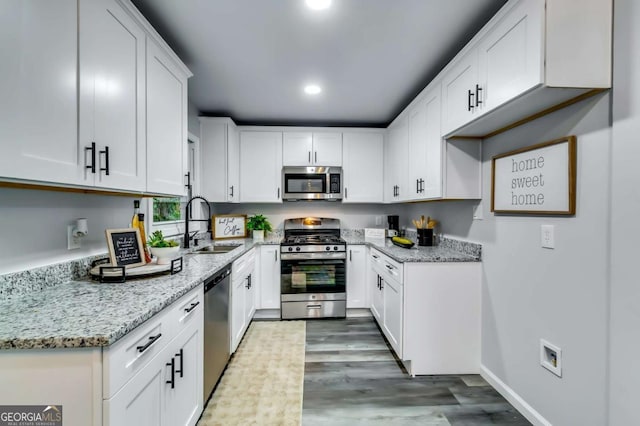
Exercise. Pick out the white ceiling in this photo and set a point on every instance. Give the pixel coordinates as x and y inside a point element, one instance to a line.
<point>251,58</point>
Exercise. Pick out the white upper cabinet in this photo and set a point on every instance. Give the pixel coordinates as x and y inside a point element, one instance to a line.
<point>112,94</point>
<point>312,149</point>
<point>532,56</point>
<point>363,162</point>
<point>220,158</point>
<point>166,124</point>
<point>38,105</point>
<point>260,167</point>
<point>425,159</point>
<point>396,180</point>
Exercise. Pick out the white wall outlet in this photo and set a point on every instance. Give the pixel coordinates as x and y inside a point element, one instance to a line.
<point>551,357</point>
<point>73,242</point>
<point>478,212</point>
<point>378,220</point>
<point>547,238</point>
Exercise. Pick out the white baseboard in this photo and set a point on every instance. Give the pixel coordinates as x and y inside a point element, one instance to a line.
<point>358,313</point>
<point>514,399</point>
<point>267,314</point>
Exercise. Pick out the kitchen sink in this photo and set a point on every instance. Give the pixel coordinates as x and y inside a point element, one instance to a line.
<point>216,249</point>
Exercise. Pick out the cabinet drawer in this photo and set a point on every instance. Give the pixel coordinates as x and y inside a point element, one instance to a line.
<point>241,266</point>
<point>386,267</point>
<point>186,310</point>
<point>128,356</point>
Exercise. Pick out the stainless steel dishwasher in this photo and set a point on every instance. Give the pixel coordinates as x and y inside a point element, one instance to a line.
<point>216,328</point>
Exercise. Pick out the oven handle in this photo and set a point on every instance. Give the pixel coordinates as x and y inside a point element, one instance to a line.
<point>313,256</point>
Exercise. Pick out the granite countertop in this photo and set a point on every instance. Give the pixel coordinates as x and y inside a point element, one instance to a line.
<point>85,313</point>
<point>442,253</point>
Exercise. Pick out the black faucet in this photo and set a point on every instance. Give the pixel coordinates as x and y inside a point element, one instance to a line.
<point>187,210</point>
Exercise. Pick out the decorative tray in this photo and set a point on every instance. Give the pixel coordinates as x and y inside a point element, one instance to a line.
<point>105,272</point>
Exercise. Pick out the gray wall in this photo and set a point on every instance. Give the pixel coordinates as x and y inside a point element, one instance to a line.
<point>193,121</point>
<point>625,227</point>
<point>559,295</point>
<point>33,225</point>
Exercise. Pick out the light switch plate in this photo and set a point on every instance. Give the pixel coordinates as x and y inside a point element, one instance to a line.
<point>547,238</point>
<point>477,212</point>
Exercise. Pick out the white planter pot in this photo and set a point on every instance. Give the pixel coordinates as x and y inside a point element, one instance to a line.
<point>258,235</point>
<point>164,254</point>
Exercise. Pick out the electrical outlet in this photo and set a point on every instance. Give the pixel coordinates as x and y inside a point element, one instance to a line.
<point>72,241</point>
<point>477,212</point>
<point>551,357</point>
<point>547,239</point>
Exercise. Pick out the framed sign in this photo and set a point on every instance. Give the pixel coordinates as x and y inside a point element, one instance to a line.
<point>229,226</point>
<point>125,247</point>
<point>539,179</point>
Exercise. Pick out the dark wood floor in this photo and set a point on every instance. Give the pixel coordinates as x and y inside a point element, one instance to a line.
<point>352,378</point>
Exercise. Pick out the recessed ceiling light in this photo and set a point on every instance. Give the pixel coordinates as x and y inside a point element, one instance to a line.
<point>318,4</point>
<point>312,89</point>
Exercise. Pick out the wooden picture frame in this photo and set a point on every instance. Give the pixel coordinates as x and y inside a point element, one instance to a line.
<point>125,247</point>
<point>227,226</point>
<point>536,180</point>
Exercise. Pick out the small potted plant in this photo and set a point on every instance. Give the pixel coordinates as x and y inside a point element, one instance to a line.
<point>164,250</point>
<point>258,224</point>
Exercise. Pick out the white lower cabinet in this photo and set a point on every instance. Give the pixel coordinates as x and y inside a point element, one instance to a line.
<point>429,312</point>
<point>356,276</point>
<point>242,303</point>
<point>165,358</point>
<point>269,284</point>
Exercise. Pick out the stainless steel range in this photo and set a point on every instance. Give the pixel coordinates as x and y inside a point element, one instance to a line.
<point>313,269</point>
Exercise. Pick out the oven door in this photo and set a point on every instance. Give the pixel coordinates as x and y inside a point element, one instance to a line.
<point>313,273</point>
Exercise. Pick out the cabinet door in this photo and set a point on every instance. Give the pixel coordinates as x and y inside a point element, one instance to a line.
<point>377,303</point>
<point>457,84</point>
<point>214,158</point>
<point>418,149</point>
<point>432,186</point>
<point>396,159</point>
<point>297,149</point>
<point>327,149</point>
<point>238,318</point>
<point>166,124</point>
<point>233,164</point>
<point>183,402</point>
<point>362,167</point>
<point>392,307</point>
<point>269,277</point>
<point>141,401</point>
<point>356,276</point>
<point>260,167</point>
<point>510,55</point>
<point>250,298</point>
<point>38,105</point>
<point>112,94</point>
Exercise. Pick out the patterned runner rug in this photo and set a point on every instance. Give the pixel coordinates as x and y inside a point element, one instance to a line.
<point>263,382</point>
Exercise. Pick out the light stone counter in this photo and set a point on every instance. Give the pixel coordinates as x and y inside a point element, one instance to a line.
<point>85,313</point>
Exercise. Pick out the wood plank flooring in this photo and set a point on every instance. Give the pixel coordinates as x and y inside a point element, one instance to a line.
<point>352,378</point>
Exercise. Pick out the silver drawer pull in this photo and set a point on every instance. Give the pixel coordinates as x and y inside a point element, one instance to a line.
<point>314,306</point>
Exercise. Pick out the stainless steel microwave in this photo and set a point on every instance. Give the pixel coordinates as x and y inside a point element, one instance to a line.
<point>312,183</point>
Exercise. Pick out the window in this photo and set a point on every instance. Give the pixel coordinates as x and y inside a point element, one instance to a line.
<point>166,210</point>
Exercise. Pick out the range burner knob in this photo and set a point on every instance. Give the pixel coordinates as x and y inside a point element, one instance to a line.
<point>335,247</point>
<point>297,248</point>
<point>290,248</point>
<point>327,248</point>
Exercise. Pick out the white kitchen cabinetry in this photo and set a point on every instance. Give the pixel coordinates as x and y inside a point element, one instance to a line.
<point>425,142</point>
<point>220,156</point>
<point>533,55</point>
<point>312,149</point>
<point>166,123</point>
<point>38,105</point>
<point>260,167</point>
<point>357,276</point>
<point>396,186</point>
<point>112,96</point>
<point>362,157</point>
<point>429,312</point>
<point>269,285</point>
<point>165,360</point>
<point>242,306</point>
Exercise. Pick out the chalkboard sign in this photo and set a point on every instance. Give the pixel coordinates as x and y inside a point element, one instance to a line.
<point>229,226</point>
<point>539,179</point>
<point>125,247</point>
